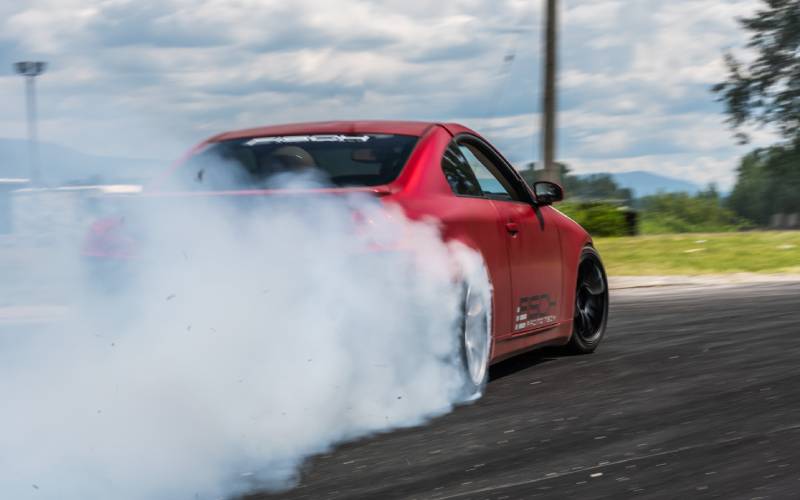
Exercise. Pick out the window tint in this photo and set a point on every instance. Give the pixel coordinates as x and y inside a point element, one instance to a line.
<point>492,183</point>
<point>259,162</point>
<point>459,175</point>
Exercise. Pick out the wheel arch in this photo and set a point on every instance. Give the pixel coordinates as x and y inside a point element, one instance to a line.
<point>461,275</point>
<point>578,344</point>
<point>574,239</point>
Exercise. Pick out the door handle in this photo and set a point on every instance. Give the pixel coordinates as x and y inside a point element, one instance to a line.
<point>512,228</point>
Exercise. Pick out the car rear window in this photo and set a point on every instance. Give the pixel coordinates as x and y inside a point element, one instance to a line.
<point>270,162</point>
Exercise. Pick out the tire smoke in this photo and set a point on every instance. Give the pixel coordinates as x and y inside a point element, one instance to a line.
<point>247,334</point>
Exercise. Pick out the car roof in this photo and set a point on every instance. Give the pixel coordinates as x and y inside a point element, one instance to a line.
<point>414,128</point>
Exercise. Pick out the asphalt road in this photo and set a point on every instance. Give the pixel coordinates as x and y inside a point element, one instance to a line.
<point>695,394</point>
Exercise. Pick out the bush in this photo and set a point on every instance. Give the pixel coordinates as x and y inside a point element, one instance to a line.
<point>600,219</point>
<point>682,213</point>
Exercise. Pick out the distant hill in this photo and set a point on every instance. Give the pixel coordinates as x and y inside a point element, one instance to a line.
<point>647,183</point>
<point>63,165</point>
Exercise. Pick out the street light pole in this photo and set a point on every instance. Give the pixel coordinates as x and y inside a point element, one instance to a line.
<point>30,70</point>
<point>549,102</point>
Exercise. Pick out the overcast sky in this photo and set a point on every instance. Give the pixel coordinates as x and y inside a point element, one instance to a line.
<point>147,78</point>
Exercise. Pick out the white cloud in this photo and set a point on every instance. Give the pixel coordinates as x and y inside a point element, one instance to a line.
<point>607,142</point>
<point>147,78</point>
<point>597,15</point>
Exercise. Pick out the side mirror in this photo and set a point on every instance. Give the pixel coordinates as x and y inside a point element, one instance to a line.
<point>547,193</point>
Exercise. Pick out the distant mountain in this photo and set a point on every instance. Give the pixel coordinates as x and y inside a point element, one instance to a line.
<point>646,183</point>
<point>63,165</point>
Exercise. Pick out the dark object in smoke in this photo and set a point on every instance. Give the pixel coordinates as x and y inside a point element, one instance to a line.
<point>364,156</point>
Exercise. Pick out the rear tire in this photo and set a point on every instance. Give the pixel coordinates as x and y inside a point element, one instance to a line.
<point>475,340</point>
<point>591,304</point>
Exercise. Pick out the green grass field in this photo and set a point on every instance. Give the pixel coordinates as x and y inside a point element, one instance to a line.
<point>692,254</point>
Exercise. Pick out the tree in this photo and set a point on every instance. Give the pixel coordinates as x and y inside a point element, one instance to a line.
<point>768,183</point>
<point>766,90</point>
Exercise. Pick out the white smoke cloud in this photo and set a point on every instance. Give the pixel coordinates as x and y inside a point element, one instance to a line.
<point>255,332</point>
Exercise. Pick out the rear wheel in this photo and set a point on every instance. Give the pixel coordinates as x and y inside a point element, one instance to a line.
<point>475,341</point>
<point>591,304</point>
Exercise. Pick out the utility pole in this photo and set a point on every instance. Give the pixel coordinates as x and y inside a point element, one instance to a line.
<point>549,102</point>
<point>30,70</point>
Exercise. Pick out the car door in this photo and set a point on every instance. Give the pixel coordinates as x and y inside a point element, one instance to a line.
<point>531,236</point>
<point>474,218</point>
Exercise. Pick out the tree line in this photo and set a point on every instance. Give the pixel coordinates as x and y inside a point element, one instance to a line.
<point>763,91</point>
<point>604,208</point>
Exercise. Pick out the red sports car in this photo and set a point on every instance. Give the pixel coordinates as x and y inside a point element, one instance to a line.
<point>548,284</point>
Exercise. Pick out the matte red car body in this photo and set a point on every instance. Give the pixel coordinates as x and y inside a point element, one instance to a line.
<point>531,250</point>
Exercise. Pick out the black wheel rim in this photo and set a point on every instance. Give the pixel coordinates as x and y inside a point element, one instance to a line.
<point>591,300</point>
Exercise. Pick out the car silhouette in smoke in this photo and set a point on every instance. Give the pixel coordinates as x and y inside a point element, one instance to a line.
<point>547,282</point>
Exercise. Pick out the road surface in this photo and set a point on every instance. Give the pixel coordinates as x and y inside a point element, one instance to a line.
<point>694,394</point>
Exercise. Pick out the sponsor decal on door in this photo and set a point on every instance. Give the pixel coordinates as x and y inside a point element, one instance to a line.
<point>534,312</point>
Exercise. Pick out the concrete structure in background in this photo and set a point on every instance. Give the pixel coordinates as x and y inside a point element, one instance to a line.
<point>785,221</point>
<point>61,216</point>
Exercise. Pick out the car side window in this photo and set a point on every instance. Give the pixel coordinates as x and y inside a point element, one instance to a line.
<point>459,175</point>
<point>491,181</point>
